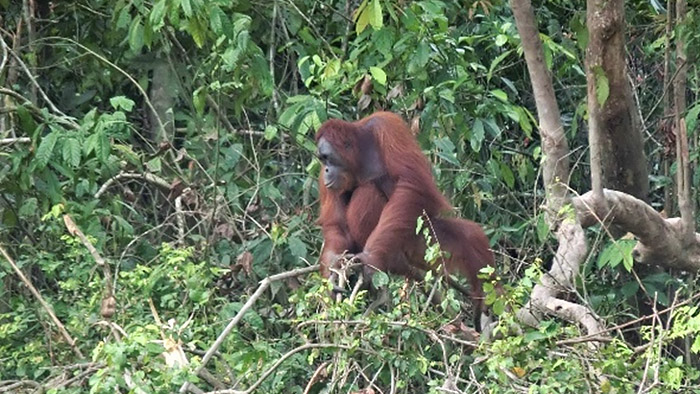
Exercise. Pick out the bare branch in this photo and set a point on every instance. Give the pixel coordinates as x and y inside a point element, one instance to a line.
<point>44,304</point>
<point>264,284</point>
<point>38,87</point>
<point>19,140</point>
<point>152,178</point>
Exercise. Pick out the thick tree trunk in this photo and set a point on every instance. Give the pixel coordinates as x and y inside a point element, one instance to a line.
<point>572,241</point>
<point>617,142</point>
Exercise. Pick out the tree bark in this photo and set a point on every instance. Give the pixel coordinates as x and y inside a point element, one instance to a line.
<point>572,241</point>
<point>665,126</point>
<point>615,138</point>
<point>662,242</point>
<point>683,167</point>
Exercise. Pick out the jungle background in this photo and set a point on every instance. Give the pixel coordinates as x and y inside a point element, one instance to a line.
<point>157,163</point>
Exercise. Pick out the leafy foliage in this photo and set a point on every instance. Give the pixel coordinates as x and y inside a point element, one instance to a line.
<point>178,135</point>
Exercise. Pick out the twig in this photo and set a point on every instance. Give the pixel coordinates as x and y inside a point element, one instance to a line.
<point>12,386</point>
<point>271,57</point>
<point>623,325</point>
<point>264,284</point>
<point>312,25</point>
<point>43,303</point>
<point>109,303</point>
<point>36,111</point>
<point>147,176</point>
<point>180,220</point>
<point>403,324</point>
<point>19,140</point>
<point>138,87</point>
<point>3,63</point>
<point>74,230</point>
<point>315,377</point>
<point>38,87</point>
<point>280,361</point>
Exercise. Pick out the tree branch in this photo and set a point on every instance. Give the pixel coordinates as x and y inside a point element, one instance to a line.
<point>44,304</point>
<point>661,241</point>
<point>152,178</point>
<point>264,284</point>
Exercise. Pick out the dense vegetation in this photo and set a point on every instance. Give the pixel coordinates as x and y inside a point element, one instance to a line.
<point>177,136</point>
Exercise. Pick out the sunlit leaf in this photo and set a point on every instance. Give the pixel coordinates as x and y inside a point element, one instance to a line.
<point>378,75</point>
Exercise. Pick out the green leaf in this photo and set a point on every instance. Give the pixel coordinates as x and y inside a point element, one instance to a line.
<point>154,348</point>
<point>696,345</point>
<point>199,100</point>
<point>90,144</point>
<point>500,94</point>
<point>602,88</point>
<point>375,18</point>
<point>533,336</point>
<point>102,146</point>
<point>197,32</point>
<point>123,19</point>
<point>616,253</point>
<point>186,7</point>
<point>369,13</point>
<point>362,17</point>
<point>446,150</point>
<point>45,149</point>
<point>380,279</point>
<point>26,120</point>
<point>216,20</point>
<point>332,69</point>
<point>507,175</point>
<point>270,132</point>
<point>122,102</point>
<point>154,165</point>
<point>629,289</point>
<point>495,62</point>
<point>378,75</point>
<point>29,208</point>
<point>627,259</point>
<point>296,246</point>
<point>71,152</point>
<point>477,136</point>
<point>126,152</point>
<point>447,95</point>
<point>419,224</point>
<point>157,17</point>
<point>501,40</point>
<point>691,118</point>
<point>136,35</point>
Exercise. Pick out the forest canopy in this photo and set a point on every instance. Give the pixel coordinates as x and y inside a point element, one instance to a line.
<point>159,195</point>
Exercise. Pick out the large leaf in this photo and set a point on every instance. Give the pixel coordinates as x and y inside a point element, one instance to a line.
<point>369,13</point>
<point>477,136</point>
<point>45,149</point>
<point>71,152</point>
<point>378,75</point>
<point>136,35</point>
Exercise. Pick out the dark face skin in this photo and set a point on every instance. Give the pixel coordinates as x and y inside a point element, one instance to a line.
<point>335,173</point>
